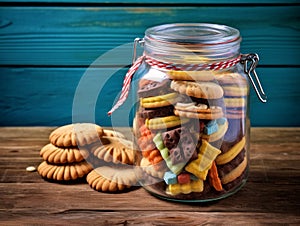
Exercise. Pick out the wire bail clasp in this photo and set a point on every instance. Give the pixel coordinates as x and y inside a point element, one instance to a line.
<point>136,41</point>
<point>253,59</point>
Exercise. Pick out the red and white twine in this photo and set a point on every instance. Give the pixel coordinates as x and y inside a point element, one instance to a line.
<point>168,66</point>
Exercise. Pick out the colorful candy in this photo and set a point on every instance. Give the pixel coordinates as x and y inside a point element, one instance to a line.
<point>193,186</point>
<point>201,165</point>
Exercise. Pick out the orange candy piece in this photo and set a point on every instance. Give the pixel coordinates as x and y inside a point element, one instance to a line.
<point>214,177</point>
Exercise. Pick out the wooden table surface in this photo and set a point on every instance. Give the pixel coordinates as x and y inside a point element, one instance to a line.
<point>271,195</point>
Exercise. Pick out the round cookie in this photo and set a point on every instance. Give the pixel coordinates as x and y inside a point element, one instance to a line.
<point>111,178</point>
<point>201,111</point>
<point>116,150</point>
<point>165,122</point>
<point>205,90</point>
<point>78,134</point>
<point>64,172</point>
<point>191,75</point>
<point>235,91</point>
<point>231,153</point>
<point>156,112</point>
<point>235,173</point>
<point>238,102</point>
<point>231,78</point>
<point>159,101</point>
<point>58,155</point>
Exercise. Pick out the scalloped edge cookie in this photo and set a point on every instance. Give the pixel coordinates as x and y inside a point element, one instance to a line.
<point>205,90</point>
<point>111,178</point>
<point>64,172</point>
<point>114,149</point>
<point>58,155</point>
<point>78,134</point>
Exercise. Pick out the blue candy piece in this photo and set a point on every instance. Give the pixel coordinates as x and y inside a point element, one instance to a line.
<point>221,121</point>
<point>211,127</point>
<point>170,178</point>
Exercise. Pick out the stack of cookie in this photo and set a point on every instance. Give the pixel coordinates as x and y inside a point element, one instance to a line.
<point>104,156</point>
<point>182,125</point>
<point>64,157</point>
<point>113,161</point>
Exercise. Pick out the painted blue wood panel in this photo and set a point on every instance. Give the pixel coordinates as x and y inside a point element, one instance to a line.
<point>78,35</point>
<point>46,96</point>
<point>162,1</point>
<point>45,50</point>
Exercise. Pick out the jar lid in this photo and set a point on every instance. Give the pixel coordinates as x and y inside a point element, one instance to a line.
<point>212,41</point>
<point>194,33</point>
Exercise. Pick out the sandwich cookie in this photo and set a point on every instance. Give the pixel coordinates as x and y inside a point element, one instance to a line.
<point>191,75</point>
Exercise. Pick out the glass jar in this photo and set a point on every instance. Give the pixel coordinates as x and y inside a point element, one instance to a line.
<point>192,116</point>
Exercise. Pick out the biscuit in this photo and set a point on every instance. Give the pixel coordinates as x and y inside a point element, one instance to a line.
<point>193,186</point>
<point>155,158</point>
<point>165,122</point>
<point>113,149</point>
<point>64,172</point>
<point>235,173</point>
<point>165,153</point>
<point>191,75</point>
<point>147,167</point>
<point>154,88</point>
<point>232,153</point>
<point>235,113</point>
<point>181,145</point>
<point>159,101</point>
<point>59,155</point>
<point>235,91</point>
<point>201,111</point>
<point>145,141</point>
<point>231,78</point>
<point>157,112</point>
<point>111,178</point>
<point>228,167</point>
<point>205,90</point>
<point>237,102</point>
<point>78,134</point>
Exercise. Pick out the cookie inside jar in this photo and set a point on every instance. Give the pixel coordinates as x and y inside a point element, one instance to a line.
<point>191,123</point>
<point>191,135</point>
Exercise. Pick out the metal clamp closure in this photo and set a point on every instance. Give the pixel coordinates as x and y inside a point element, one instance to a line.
<point>136,41</point>
<point>250,62</point>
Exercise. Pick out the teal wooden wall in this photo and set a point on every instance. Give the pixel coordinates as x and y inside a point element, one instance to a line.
<point>46,48</point>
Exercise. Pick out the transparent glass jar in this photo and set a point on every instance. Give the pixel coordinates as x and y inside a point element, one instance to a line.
<point>192,117</point>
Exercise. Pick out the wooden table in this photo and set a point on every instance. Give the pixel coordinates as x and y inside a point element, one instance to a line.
<point>271,194</point>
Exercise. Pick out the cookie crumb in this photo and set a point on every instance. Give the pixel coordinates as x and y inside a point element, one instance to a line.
<point>30,169</point>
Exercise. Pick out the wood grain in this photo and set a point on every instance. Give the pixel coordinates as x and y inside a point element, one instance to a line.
<point>35,35</point>
<point>271,195</point>
<point>46,46</point>
<point>45,96</point>
<point>155,2</point>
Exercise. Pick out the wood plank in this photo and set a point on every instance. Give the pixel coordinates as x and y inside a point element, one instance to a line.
<point>78,35</point>
<point>45,96</point>
<point>60,198</point>
<point>269,197</point>
<point>138,2</point>
<point>176,218</point>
